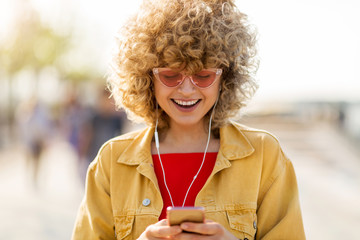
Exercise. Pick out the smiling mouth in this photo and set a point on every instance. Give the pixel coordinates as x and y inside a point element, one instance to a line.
<point>186,104</point>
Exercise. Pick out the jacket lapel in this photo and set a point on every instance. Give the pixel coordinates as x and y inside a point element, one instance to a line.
<point>233,146</point>
<point>138,152</point>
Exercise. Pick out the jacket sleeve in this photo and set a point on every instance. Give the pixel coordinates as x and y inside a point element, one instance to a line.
<point>95,218</point>
<point>279,214</point>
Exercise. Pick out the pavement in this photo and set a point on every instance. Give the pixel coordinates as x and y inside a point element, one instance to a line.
<point>48,210</point>
<point>327,165</point>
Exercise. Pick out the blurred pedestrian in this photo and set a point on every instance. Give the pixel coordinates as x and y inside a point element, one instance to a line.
<point>73,117</point>
<point>36,131</point>
<point>185,67</point>
<point>104,122</point>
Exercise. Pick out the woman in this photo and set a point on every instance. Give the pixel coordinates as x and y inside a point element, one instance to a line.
<point>185,67</point>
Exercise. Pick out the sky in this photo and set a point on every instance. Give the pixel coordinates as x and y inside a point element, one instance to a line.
<point>309,49</point>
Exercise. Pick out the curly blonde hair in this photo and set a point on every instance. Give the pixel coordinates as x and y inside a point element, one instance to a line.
<point>196,34</point>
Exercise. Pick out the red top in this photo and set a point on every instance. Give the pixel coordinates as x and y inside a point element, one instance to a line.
<point>180,168</point>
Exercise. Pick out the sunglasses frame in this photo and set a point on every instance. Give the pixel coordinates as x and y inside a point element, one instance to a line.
<point>217,71</point>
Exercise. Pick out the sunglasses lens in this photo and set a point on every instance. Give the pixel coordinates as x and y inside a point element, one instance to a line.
<point>204,78</point>
<point>170,78</point>
<point>201,79</point>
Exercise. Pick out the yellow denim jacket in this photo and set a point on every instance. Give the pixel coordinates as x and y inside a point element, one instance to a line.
<point>252,190</point>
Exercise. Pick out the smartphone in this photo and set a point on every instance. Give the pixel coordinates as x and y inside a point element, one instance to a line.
<point>178,215</point>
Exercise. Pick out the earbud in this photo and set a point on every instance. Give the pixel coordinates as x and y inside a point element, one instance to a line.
<point>156,135</point>
<point>157,139</point>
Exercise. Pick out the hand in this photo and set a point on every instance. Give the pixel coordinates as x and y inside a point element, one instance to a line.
<point>207,230</point>
<point>160,230</point>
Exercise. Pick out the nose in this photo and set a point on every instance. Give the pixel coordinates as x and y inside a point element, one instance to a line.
<point>186,86</point>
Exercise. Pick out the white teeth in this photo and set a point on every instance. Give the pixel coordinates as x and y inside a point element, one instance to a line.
<point>186,103</point>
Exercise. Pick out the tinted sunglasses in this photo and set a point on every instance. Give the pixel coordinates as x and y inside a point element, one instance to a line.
<point>203,79</point>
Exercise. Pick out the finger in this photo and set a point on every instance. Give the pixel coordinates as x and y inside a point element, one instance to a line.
<point>162,223</point>
<point>192,236</point>
<point>159,230</point>
<point>208,228</point>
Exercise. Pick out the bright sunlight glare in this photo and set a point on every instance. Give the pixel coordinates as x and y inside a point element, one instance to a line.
<point>308,49</point>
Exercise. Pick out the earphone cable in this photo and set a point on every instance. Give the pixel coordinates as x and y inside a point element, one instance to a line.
<point>158,151</point>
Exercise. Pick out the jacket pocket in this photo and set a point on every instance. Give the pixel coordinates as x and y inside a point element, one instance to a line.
<point>243,221</point>
<point>123,226</point>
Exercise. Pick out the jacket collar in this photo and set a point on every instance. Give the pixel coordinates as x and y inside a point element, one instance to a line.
<point>233,145</point>
<point>139,149</point>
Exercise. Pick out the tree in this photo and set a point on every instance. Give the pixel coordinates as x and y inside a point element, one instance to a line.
<point>29,45</point>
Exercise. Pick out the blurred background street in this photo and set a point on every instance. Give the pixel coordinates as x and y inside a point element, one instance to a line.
<point>326,161</point>
<point>55,112</point>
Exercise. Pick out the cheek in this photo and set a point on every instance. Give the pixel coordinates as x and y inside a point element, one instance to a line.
<point>157,90</point>
<point>161,93</point>
<point>213,93</point>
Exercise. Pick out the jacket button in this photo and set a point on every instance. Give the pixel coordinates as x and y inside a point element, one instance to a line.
<point>146,202</point>
<point>254,224</point>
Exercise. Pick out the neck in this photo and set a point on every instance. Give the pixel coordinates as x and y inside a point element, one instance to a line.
<point>186,139</point>
<point>180,134</point>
